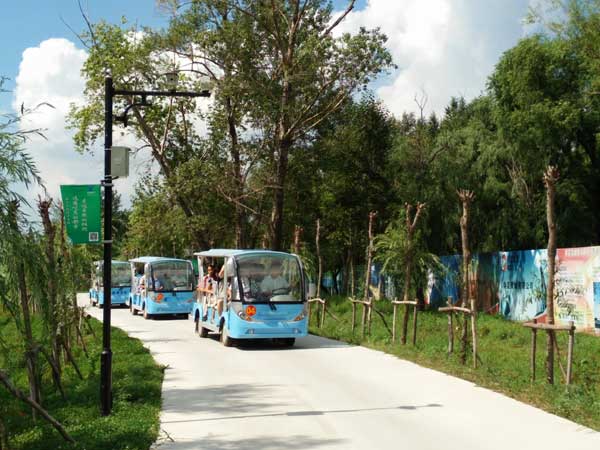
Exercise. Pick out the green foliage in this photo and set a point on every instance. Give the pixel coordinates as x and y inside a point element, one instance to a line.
<point>392,249</point>
<point>137,396</point>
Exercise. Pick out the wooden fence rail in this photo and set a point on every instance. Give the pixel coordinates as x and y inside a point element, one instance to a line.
<point>549,327</point>
<point>323,309</point>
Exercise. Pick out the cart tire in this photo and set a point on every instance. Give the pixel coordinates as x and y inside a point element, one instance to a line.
<point>146,315</point>
<point>225,339</point>
<point>132,309</point>
<point>203,332</point>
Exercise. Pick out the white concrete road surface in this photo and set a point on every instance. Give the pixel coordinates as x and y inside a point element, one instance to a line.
<point>323,394</point>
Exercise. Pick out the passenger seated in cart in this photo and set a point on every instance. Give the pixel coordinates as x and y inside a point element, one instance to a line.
<point>224,288</point>
<point>274,283</point>
<point>163,283</point>
<point>250,283</point>
<point>206,289</point>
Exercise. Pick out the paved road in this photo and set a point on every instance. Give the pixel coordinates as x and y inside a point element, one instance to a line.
<point>323,394</point>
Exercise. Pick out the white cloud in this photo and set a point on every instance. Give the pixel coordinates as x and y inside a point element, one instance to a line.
<point>443,47</point>
<point>51,73</point>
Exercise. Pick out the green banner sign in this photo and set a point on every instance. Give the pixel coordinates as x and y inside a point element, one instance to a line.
<point>82,212</point>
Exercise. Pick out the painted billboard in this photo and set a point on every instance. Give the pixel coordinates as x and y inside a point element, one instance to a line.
<point>576,279</point>
<point>523,279</point>
<point>514,284</point>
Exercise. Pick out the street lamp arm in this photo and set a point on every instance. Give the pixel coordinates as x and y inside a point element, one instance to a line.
<point>203,93</point>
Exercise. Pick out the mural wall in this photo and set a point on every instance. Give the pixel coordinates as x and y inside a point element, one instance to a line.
<point>514,284</point>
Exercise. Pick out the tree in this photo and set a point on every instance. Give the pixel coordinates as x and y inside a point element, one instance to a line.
<point>16,166</point>
<point>165,127</point>
<point>551,176</point>
<point>545,115</point>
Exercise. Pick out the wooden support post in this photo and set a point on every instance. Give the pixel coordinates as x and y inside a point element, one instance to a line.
<point>414,333</point>
<point>450,333</point>
<point>394,323</point>
<point>363,320</point>
<point>474,331</point>
<point>570,352</point>
<point>353,316</point>
<point>533,349</point>
<point>309,312</point>
<point>322,315</point>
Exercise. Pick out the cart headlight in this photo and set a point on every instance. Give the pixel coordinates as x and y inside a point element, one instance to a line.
<point>302,314</point>
<point>244,313</point>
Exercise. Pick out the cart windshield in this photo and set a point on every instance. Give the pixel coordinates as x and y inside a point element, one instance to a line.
<point>172,276</point>
<point>270,278</point>
<point>120,275</point>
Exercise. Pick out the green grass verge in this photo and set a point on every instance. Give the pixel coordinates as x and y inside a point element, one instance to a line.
<point>504,348</point>
<point>137,381</point>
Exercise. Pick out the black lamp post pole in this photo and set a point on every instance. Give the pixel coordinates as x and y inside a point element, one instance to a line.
<point>106,357</point>
<point>109,93</point>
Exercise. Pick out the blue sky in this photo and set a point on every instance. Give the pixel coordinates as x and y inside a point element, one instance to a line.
<point>442,48</point>
<point>26,23</point>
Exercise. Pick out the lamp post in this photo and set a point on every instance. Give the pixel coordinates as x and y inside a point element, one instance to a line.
<point>109,93</point>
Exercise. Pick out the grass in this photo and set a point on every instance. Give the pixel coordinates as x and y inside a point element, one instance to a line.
<point>504,348</point>
<point>137,381</point>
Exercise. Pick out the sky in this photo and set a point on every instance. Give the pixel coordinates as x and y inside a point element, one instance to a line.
<point>443,48</point>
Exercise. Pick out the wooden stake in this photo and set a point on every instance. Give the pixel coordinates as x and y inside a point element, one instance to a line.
<point>394,323</point>
<point>570,353</point>
<point>450,329</point>
<point>414,330</point>
<point>533,349</point>
<point>474,340</point>
<point>474,331</point>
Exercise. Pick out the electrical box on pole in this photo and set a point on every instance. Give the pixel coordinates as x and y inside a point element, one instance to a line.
<point>120,161</point>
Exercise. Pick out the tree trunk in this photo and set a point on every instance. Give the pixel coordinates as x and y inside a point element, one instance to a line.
<point>550,179</point>
<point>319,259</point>
<point>50,232</point>
<point>411,225</point>
<point>466,197</point>
<point>30,346</point>
<point>276,226</point>
<point>298,239</point>
<point>30,353</point>
<point>367,311</point>
<point>352,275</point>
<point>346,274</point>
<point>240,212</point>
<point>372,216</point>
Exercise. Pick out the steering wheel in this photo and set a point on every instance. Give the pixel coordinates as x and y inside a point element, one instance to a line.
<point>280,291</point>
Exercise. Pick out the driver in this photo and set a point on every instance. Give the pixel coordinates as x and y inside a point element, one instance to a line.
<point>274,281</point>
<point>163,283</point>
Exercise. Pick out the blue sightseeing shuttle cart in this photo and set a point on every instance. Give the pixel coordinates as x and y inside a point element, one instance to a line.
<point>251,294</point>
<point>161,286</point>
<point>120,281</point>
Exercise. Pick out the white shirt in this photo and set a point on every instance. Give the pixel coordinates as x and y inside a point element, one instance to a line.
<point>270,284</point>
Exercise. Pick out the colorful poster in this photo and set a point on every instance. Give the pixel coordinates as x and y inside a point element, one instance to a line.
<point>597,306</point>
<point>441,287</point>
<point>577,270</point>
<point>522,284</point>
